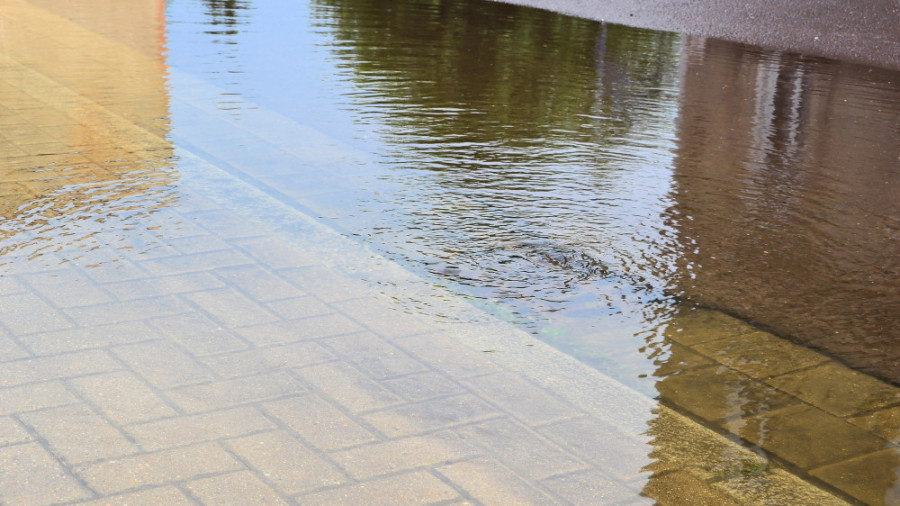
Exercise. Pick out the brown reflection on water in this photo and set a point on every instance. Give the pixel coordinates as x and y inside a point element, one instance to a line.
<point>787,191</point>
<point>84,109</point>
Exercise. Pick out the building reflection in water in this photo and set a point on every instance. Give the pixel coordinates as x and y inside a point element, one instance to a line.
<point>787,191</point>
<point>84,96</point>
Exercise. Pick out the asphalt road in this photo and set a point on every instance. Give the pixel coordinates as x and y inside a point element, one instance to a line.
<point>861,31</point>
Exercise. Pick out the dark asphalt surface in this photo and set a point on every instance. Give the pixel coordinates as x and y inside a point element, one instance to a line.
<point>865,31</point>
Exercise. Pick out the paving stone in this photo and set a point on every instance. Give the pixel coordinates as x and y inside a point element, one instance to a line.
<point>159,468</point>
<point>98,336</point>
<point>198,334</point>
<point>318,422</point>
<point>694,326</point>
<point>883,422</point>
<point>718,393</point>
<point>232,308</point>
<point>414,488</point>
<point>186,430</point>
<point>374,355</point>
<point>314,327</point>
<point>605,447</point>
<point>162,364</point>
<point>403,454</point>
<point>9,349</point>
<point>675,443</point>
<point>68,365</point>
<point>523,399</point>
<point>382,320</point>
<point>26,313</point>
<point>349,387</point>
<point>199,262</point>
<point>679,487</point>
<point>871,478</point>
<point>589,487</point>
<point>411,419</point>
<point>152,497</point>
<point>290,466</point>
<point>276,253</point>
<point>167,285</point>
<point>521,449</point>
<point>760,354</point>
<point>67,288</point>
<point>774,486</point>
<point>299,307</point>
<point>328,285</point>
<point>78,434</point>
<point>423,386</point>
<point>237,489</point>
<point>259,284</point>
<point>132,310</point>
<point>33,397</point>
<point>224,394</point>
<point>837,389</point>
<point>11,432</point>
<point>448,355</point>
<point>122,397</point>
<point>270,358</point>
<point>107,266</point>
<point>29,475</point>
<point>796,434</point>
<point>10,286</point>
<point>487,481</point>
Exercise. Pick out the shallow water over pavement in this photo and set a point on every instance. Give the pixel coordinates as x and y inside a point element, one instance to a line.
<point>589,183</point>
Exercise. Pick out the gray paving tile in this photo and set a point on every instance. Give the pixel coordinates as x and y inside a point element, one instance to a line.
<point>30,475</point>
<point>186,430</point>
<point>373,355</point>
<point>487,481</point>
<point>162,364</point>
<point>237,489</point>
<point>67,288</point>
<point>403,454</point>
<point>198,334</point>
<point>167,285</point>
<point>589,487</point>
<point>414,488</point>
<point>288,465</point>
<point>259,283</point>
<point>423,386</point>
<point>318,422</point>
<point>159,468</point>
<point>445,354</point>
<point>33,397</point>
<point>349,387</point>
<point>523,399</point>
<point>270,358</point>
<point>232,308</point>
<point>26,313</point>
<point>410,419</point>
<point>11,432</point>
<point>78,434</point>
<point>122,397</point>
<point>152,497</point>
<point>67,365</point>
<point>85,338</point>
<point>132,310</point>
<point>315,327</point>
<point>223,394</point>
<point>521,449</point>
<point>298,307</point>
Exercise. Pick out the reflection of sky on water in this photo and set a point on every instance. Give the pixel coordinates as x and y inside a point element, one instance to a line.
<point>528,166</point>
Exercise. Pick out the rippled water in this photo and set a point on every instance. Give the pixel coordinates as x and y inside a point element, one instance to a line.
<point>659,206</point>
<point>584,180</point>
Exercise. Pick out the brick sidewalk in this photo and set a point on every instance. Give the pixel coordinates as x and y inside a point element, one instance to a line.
<point>223,347</point>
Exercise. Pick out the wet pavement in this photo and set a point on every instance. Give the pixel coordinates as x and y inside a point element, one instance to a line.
<point>191,335</point>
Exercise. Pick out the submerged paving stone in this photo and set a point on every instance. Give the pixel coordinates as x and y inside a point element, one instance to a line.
<point>837,389</point>
<point>870,478</point>
<point>802,430</point>
<point>760,354</point>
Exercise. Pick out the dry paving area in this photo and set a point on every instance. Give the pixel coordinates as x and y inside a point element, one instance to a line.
<point>174,329</point>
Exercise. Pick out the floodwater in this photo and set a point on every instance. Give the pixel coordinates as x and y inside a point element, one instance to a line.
<point>713,225</point>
